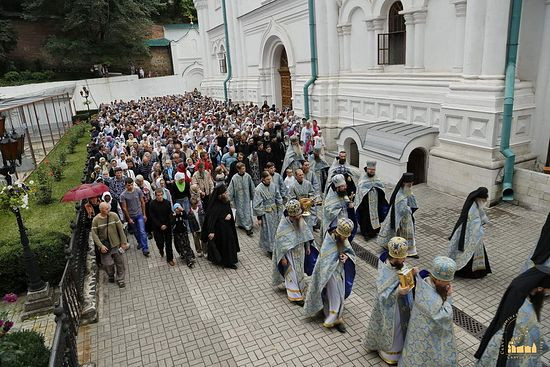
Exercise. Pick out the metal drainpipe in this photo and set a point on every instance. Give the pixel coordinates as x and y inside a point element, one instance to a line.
<point>227,54</point>
<point>511,57</point>
<point>313,50</point>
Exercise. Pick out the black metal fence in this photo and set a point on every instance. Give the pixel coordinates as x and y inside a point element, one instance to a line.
<point>68,310</point>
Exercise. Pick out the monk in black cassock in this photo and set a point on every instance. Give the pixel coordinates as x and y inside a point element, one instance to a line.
<point>370,202</point>
<point>220,232</point>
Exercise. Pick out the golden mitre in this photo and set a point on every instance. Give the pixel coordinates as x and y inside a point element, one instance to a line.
<point>306,204</point>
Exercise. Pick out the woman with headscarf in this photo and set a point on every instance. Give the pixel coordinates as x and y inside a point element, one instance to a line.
<point>219,230</point>
<point>514,337</point>
<point>466,246</point>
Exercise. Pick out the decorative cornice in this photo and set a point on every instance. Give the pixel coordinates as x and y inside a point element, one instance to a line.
<point>409,19</point>
<point>420,16</point>
<point>378,24</point>
<point>346,29</point>
<point>460,7</point>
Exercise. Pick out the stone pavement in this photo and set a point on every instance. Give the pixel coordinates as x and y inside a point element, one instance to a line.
<point>210,316</point>
<point>44,324</point>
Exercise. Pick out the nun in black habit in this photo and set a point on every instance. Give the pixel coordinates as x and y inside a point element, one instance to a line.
<point>219,230</point>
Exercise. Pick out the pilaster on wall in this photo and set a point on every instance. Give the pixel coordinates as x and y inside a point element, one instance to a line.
<point>415,22</point>
<point>469,137</point>
<point>409,46</point>
<point>460,25</point>
<point>378,27</point>
<point>419,39</point>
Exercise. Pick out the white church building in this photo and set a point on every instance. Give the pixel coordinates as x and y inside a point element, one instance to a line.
<point>417,85</point>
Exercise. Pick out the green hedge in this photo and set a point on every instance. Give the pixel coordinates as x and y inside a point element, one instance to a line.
<point>23,349</point>
<point>48,226</point>
<point>48,248</point>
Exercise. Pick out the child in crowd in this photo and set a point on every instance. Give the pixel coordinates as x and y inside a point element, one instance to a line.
<point>220,175</point>
<point>196,220</point>
<point>289,179</point>
<point>181,238</point>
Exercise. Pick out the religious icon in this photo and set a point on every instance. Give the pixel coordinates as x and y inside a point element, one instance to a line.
<point>406,278</point>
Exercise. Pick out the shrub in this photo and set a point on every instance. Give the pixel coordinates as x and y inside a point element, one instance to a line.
<point>27,347</point>
<point>63,158</point>
<point>57,171</point>
<point>44,186</point>
<point>48,247</point>
<point>50,75</point>
<point>38,76</point>
<point>25,75</point>
<point>12,76</point>
<point>73,141</point>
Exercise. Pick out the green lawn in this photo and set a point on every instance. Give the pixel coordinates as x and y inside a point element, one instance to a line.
<point>57,215</point>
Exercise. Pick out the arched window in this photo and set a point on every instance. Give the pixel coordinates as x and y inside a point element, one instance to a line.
<point>222,60</point>
<point>391,45</point>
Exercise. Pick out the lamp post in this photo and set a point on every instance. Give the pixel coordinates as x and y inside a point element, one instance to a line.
<point>39,294</point>
<point>85,93</point>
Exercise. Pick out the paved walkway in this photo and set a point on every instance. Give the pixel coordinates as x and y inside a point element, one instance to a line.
<point>210,316</point>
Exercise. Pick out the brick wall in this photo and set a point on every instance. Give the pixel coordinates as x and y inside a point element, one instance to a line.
<point>532,189</point>
<point>31,37</point>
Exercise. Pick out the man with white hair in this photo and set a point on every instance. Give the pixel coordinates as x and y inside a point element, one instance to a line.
<point>294,155</point>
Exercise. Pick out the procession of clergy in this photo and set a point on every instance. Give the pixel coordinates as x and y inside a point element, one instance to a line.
<point>412,320</point>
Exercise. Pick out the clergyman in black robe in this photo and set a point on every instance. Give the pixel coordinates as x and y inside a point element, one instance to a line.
<point>370,202</point>
<point>223,243</point>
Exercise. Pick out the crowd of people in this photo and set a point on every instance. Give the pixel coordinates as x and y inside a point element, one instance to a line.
<point>181,167</point>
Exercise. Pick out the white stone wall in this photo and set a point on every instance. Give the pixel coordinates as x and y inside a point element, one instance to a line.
<point>452,79</point>
<point>532,189</point>
<point>186,55</point>
<point>105,90</point>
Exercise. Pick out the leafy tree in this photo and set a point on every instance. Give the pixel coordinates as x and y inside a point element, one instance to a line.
<point>188,10</point>
<point>8,39</point>
<point>177,11</point>
<point>108,32</point>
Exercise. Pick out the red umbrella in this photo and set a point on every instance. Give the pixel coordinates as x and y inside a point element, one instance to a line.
<point>85,191</point>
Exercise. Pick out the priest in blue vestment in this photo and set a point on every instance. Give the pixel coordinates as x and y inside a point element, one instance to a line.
<point>466,247</point>
<point>267,206</point>
<point>370,202</point>
<point>514,338</point>
<point>392,306</point>
<point>241,194</point>
<point>337,205</point>
<point>320,167</point>
<point>292,248</point>
<point>400,220</point>
<point>333,276</point>
<point>430,339</point>
<point>294,155</point>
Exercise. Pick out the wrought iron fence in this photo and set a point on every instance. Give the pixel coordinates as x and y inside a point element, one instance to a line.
<point>69,308</point>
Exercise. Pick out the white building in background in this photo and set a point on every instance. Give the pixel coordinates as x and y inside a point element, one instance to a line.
<point>417,85</point>
<point>186,55</point>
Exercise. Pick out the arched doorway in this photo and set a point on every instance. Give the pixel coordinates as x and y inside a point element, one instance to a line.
<point>417,165</point>
<point>286,84</point>
<point>350,146</point>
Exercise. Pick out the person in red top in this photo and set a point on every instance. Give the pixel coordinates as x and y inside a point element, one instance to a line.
<point>206,160</point>
<point>315,128</point>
